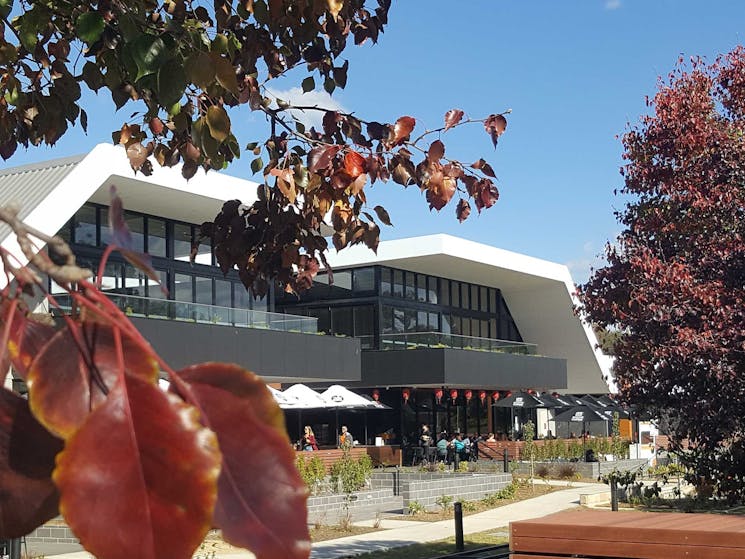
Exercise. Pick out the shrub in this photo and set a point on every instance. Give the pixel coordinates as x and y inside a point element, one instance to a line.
<point>312,471</point>
<point>349,474</point>
<point>415,507</point>
<point>445,502</point>
<point>543,471</point>
<point>567,471</point>
<point>468,506</point>
<point>463,467</point>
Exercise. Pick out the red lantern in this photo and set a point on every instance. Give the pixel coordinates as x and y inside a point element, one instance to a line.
<point>468,394</point>
<point>438,395</point>
<point>509,393</point>
<point>495,395</point>
<point>531,391</point>
<point>482,395</point>
<point>453,394</point>
<point>405,394</point>
<point>376,394</point>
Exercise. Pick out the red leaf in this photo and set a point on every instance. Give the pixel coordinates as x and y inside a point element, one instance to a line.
<point>436,151</point>
<point>138,479</point>
<point>354,164</point>
<point>383,215</point>
<point>440,189</point>
<point>401,130</point>
<point>285,183</point>
<point>320,158</point>
<point>462,210</point>
<point>452,117</point>
<point>137,154</point>
<point>26,338</point>
<point>27,451</point>
<point>66,381</point>
<point>261,498</point>
<point>484,167</point>
<point>495,126</point>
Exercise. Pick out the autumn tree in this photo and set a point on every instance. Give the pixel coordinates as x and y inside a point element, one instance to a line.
<point>185,66</point>
<point>674,285</point>
<point>135,471</point>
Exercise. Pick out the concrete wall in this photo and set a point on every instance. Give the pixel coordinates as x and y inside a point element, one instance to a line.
<point>328,509</point>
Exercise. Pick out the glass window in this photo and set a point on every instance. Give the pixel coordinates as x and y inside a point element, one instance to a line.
<point>431,290</point>
<point>484,301</point>
<point>66,232</point>
<point>364,321</point>
<point>421,321</point>
<point>154,290</point>
<point>434,322</point>
<point>398,283</point>
<point>385,282</point>
<point>134,281</point>
<point>493,334</point>
<point>222,293</point>
<point>324,318</point>
<point>136,224</point>
<point>410,286</point>
<point>112,277</point>
<point>242,296</point>
<point>475,328</point>
<point>421,288</point>
<point>387,320</point>
<point>465,299</point>
<point>465,327</point>
<point>409,320</point>
<point>364,279</point>
<point>204,290</point>
<point>156,237</point>
<point>398,321</point>
<point>342,284</point>
<point>204,253</point>
<point>454,294</point>
<point>321,278</point>
<point>182,288</point>
<point>445,292</point>
<point>493,301</point>
<point>455,325</point>
<point>474,297</point>
<point>484,328</point>
<point>103,220</point>
<point>85,226</point>
<point>342,321</point>
<point>446,324</point>
<point>260,304</point>
<point>181,241</point>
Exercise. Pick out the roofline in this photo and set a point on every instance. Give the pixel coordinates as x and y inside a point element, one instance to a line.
<point>49,164</point>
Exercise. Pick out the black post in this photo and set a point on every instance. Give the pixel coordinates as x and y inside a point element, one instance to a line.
<point>613,495</point>
<point>458,509</point>
<point>15,548</point>
<point>456,460</point>
<point>505,461</point>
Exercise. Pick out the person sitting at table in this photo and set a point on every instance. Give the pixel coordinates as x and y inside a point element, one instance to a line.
<point>309,439</point>
<point>442,448</point>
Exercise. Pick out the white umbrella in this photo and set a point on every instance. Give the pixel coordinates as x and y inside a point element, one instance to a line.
<point>339,397</point>
<point>300,396</point>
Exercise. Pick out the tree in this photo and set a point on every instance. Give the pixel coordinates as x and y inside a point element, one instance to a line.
<point>98,440</point>
<point>183,65</point>
<point>674,285</point>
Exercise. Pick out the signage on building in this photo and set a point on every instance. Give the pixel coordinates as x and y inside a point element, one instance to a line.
<point>518,402</point>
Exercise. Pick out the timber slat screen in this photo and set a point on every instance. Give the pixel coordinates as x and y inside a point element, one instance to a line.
<point>629,535</point>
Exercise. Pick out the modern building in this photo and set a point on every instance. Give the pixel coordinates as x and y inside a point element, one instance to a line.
<point>436,326</point>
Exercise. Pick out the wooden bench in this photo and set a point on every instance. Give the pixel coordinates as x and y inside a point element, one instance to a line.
<point>629,534</point>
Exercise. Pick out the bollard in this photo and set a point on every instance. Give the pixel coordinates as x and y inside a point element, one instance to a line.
<point>456,461</point>
<point>15,548</point>
<point>613,495</point>
<point>458,510</point>
<point>506,461</point>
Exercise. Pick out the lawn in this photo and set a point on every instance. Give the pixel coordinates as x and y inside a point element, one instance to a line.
<point>441,547</point>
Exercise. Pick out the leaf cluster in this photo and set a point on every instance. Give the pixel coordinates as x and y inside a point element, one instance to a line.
<point>101,443</point>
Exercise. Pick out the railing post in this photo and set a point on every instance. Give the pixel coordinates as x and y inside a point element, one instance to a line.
<point>505,461</point>
<point>458,510</point>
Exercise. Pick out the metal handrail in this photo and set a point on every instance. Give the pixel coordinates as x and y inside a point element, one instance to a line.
<point>168,309</point>
<point>415,340</point>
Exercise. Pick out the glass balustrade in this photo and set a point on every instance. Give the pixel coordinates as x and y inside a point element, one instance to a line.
<point>165,309</point>
<point>416,340</point>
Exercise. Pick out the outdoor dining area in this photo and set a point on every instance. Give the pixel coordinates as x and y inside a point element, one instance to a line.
<point>386,423</point>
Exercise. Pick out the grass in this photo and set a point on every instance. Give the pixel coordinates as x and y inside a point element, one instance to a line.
<point>441,547</point>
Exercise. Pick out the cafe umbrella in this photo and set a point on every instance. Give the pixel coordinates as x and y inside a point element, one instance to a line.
<point>580,414</point>
<point>520,400</point>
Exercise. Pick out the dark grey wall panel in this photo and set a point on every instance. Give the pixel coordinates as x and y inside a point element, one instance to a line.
<point>269,353</point>
<point>453,367</point>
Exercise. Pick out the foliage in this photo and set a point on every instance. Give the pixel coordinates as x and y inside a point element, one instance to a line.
<point>99,442</point>
<point>543,471</point>
<point>469,506</point>
<point>350,474</point>
<point>529,449</point>
<point>312,471</point>
<point>186,67</point>
<point>566,471</point>
<point>445,502</point>
<point>463,467</point>
<point>415,507</point>
<point>674,285</point>
<point>507,492</point>
<point>622,478</point>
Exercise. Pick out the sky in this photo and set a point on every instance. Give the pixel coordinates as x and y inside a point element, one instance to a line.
<point>574,72</point>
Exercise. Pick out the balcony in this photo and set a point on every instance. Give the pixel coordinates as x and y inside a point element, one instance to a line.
<point>433,340</point>
<point>165,309</point>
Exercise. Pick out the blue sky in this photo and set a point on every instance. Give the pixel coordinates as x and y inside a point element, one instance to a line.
<point>574,74</point>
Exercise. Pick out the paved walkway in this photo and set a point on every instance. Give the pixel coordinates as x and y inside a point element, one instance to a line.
<point>398,532</point>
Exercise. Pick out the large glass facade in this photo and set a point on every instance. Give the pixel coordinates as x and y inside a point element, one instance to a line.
<point>410,306</point>
<point>169,244</point>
